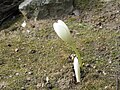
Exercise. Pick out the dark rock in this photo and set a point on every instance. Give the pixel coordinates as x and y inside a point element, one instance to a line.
<point>45,8</point>
<point>99,71</point>
<point>9,45</point>
<point>8,8</point>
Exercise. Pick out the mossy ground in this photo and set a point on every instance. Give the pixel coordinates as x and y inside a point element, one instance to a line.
<point>29,55</point>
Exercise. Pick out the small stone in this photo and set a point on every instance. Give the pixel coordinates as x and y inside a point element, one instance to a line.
<point>28,79</point>
<point>112,47</point>
<point>10,76</point>
<point>106,87</point>
<point>30,73</point>
<point>28,31</point>
<point>17,74</point>
<point>117,57</point>
<point>117,11</point>
<point>16,50</point>
<point>94,67</point>
<point>110,61</point>
<point>77,33</point>
<point>98,37</point>
<point>104,73</point>
<point>33,26</point>
<point>32,51</point>
<point>23,24</point>
<point>83,64</point>
<point>100,27</point>
<point>23,88</point>
<point>38,85</point>
<point>99,71</point>
<point>88,65</point>
<point>24,65</point>
<point>19,59</point>
<point>9,45</point>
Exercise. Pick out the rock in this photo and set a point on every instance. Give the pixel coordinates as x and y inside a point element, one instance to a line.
<point>76,12</point>
<point>88,65</point>
<point>16,50</point>
<point>23,24</point>
<point>8,8</point>
<point>32,51</point>
<point>9,45</point>
<point>38,85</point>
<point>23,88</point>
<point>45,8</point>
<point>30,73</point>
<point>17,74</point>
<point>28,79</point>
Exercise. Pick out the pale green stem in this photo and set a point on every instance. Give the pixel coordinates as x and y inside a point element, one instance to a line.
<point>78,55</point>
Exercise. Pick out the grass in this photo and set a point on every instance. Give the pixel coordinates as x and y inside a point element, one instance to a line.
<point>26,59</point>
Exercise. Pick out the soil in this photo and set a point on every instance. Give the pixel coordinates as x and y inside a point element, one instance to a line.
<point>35,58</point>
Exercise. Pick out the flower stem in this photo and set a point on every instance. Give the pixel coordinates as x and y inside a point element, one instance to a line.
<point>78,55</point>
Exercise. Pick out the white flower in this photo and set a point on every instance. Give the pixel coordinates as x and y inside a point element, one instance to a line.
<point>23,24</point>
<point>77,69</point>
<point>62,31</point>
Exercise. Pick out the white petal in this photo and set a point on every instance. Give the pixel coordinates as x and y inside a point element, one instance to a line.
<point>62,32</point>
<point>63,24</point>
<point>77,69</point>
